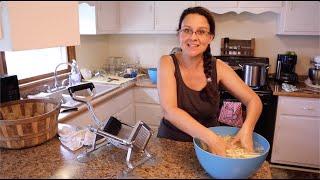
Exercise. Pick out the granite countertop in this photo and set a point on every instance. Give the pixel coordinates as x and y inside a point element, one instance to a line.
<point>303,90</point>
<point>171,159</point>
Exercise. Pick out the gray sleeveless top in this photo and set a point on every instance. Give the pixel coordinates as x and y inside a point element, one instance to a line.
<point>189,100</point>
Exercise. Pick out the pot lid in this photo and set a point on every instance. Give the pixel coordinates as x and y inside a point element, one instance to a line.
<point>255,64</point>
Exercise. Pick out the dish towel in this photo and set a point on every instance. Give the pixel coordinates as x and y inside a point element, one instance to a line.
<point>289,87</point>
<point>74,139</point>
<point>231,114</point>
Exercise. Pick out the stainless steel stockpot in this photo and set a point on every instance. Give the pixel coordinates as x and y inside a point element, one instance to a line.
<point>254,74</point>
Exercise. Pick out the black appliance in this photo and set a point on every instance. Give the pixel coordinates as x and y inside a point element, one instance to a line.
<point>266,122</point>
<point>9,88</point>
<point>285,70</point>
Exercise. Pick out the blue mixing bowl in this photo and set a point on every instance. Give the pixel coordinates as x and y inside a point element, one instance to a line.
<point>229,168</point>
<point>152,72</point>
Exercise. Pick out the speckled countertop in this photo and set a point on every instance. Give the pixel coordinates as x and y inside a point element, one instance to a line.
<point>303,90</point>
<point>171,159</point>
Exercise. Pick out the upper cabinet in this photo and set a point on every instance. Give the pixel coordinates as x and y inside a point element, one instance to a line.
<point>300,18</point>
<point>113,17</point>
<point>167,14</point>
<point>99,17</point>
<point>162,17</point>
<point>136,16</point>
<point>36,25</point>
<point>256,7</point>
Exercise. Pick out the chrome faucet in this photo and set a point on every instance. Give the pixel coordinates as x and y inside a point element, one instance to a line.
<point>55,77</point>
<point>74,77</point>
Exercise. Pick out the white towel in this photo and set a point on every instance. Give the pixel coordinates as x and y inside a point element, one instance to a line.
<point>74,139</point>
<point>288,87</point>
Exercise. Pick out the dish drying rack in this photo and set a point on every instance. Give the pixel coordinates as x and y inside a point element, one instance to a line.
<point>106,133</point>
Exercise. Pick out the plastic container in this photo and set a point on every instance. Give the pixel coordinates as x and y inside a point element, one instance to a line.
<point>231,168</point>
<point>152,72</point>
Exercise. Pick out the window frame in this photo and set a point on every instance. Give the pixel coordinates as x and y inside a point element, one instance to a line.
<point>71,54</point>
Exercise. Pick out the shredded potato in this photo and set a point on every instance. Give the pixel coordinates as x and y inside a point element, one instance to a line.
<point>236,151</point>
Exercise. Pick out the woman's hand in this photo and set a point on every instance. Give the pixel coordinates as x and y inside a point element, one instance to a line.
<point>245,137</point>
<point>217,146</point>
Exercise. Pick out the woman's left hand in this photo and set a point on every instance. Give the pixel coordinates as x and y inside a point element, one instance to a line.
<point>245,137</point>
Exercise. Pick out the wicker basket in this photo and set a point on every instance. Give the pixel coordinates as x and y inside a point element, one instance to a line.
<point>26,123</point>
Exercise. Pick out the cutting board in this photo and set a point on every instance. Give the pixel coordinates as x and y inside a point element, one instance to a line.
<point>110,79</point>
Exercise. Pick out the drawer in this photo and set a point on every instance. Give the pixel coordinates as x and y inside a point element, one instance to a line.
<point>146,95</point>
<point>299,106</point>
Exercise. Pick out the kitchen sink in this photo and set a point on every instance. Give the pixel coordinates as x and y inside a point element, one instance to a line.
<point>67,101</point>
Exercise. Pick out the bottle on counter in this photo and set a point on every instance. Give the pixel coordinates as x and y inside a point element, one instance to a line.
<point>75,75</point>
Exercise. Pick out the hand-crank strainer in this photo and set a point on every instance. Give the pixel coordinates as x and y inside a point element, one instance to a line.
<point>137,140</point>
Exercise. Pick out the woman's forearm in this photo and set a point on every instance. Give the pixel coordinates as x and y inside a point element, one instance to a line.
<point>186,123</point>
<point>254,109</point>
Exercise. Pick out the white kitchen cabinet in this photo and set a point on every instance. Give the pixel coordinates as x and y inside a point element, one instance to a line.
<point>256,7</point>
<point>99,17</point>
<point>136,16</point>
<point>116,106</point>
<point>36,25</point>
<point>147,106</point>
<point>127,115</point>
<point>297,139</point>
<point>151,114</point>
<point>167,14</point>
<point>124,104</point>
<point>300,18</point>
<point>103,111</point>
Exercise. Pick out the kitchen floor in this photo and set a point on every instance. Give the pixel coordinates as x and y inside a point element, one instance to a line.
<point>280,173</point>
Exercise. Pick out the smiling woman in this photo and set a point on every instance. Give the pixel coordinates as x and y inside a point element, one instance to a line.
<point>32,65</point>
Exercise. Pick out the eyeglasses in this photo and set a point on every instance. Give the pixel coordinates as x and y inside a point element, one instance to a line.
<point>189,32</point>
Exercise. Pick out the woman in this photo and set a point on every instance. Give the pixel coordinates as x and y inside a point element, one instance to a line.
<point>188,84</point>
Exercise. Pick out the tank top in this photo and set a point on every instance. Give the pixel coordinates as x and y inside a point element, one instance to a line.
<point>189,100</point>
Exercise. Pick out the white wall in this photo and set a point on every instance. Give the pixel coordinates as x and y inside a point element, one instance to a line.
<point>94,50</point>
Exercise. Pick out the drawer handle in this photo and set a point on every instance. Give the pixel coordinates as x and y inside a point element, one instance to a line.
<point>308,108</point>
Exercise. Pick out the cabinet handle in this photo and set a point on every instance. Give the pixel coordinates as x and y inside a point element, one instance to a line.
<point>308,108</point>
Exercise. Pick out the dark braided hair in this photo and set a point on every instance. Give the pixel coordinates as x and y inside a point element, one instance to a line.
<point>207,93</point>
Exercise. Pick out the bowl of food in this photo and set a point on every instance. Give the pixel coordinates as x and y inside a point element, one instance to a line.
<point>238,163</point>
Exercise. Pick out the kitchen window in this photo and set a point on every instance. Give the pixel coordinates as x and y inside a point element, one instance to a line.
<point>32,65</point>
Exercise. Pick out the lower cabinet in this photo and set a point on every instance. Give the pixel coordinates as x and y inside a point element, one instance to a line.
<point>297,138</point>
<point>147,106</point>
<point>132,105</point>
<point>127,115</point>
<point>121,106</point>
<point>151,114</point>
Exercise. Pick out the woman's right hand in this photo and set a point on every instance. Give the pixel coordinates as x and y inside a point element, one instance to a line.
<point>217,146</point>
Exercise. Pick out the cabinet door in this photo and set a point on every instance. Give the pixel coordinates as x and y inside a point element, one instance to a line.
<point>87,18</point>
<point>167,14</point>
<point>127,115</point>
<point>108,16</point>
<point>151,114</point>
<point>259,4</point>
<point>218,4</point>
<point>300,18</point>
<point>103,111</point>
<point>136,16</point>
<point>146,95</point>
<point>296,141</point>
